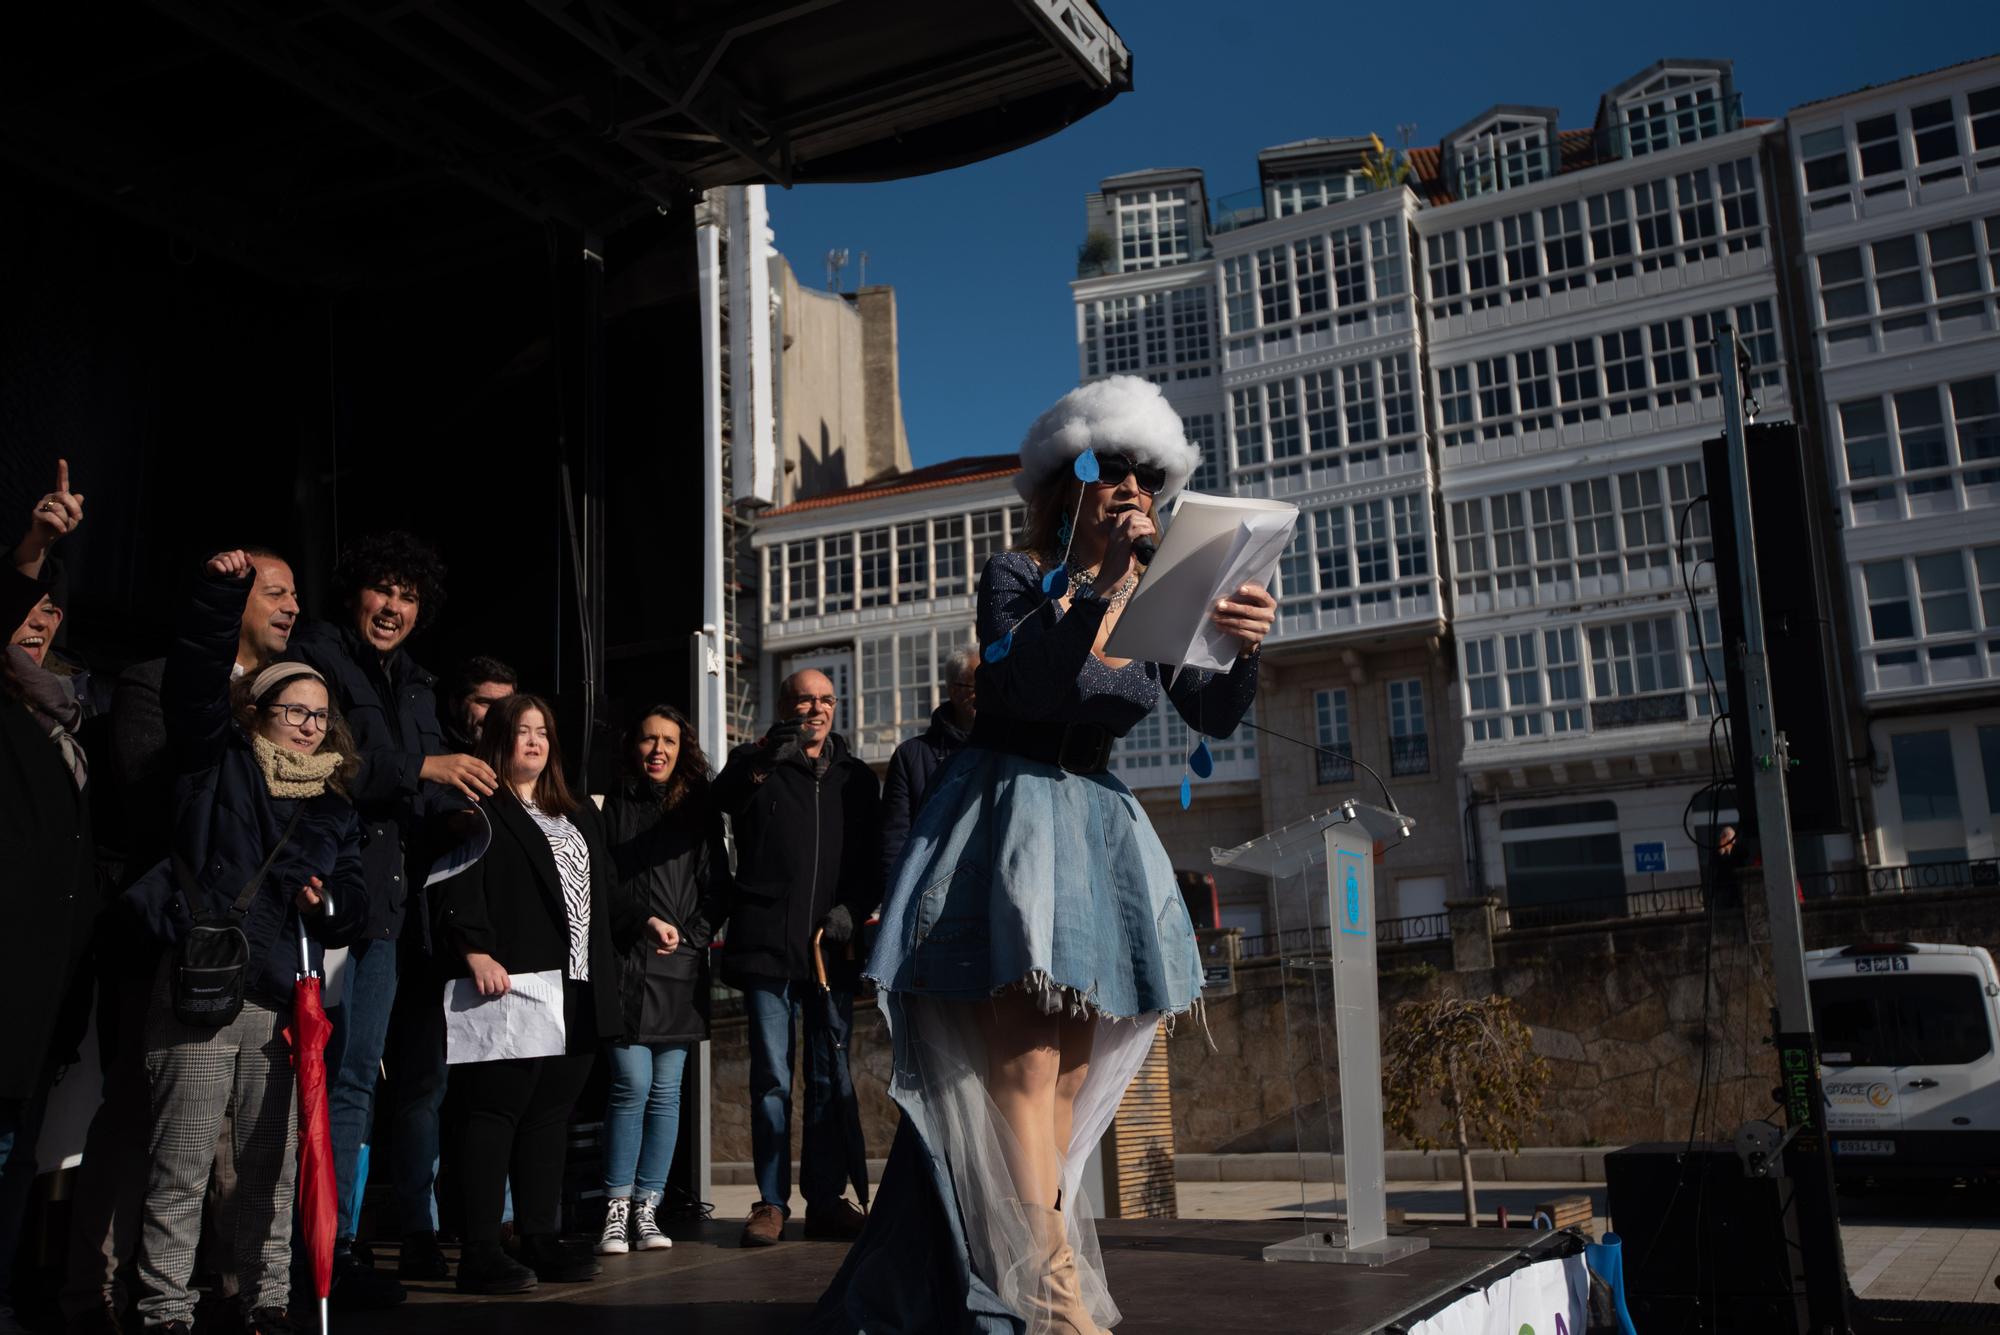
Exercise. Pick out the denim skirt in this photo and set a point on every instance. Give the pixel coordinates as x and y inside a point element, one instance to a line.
<point>1018,874</point>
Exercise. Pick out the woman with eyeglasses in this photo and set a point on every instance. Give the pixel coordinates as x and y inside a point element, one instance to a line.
<point>261,807</point>
<point>1034,936</point>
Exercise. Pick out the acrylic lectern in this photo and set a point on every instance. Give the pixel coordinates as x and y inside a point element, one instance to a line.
<point>1322,872</point>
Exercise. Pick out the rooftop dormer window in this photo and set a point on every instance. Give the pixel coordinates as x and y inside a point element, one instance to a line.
<point>1502,150</point>
<point>1673,107</point>
<point>1152,228</point>
<point>1284,198</point>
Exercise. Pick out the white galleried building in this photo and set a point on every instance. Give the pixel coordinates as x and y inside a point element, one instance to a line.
<point>1574,282</point>
<point>1487,389</point>
<point>1900,216</point>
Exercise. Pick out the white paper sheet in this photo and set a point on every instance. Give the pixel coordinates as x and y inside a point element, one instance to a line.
<point>1213,545</point>
<point>524,1021</point>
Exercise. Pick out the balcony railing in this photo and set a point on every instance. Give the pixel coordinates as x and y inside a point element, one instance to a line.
<point>1410,753</point>
<point>1680,125</point>
<point>1918,878</point>
<point>1317,942</point>
<point>1332,769</point>
<point>1638,711</point>
<point>1608,907</point>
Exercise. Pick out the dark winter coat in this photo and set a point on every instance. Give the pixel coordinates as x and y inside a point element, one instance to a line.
<point>509,905</point>
<point>392,711</point>
<point>48,874</point>
<point>671,866</point>
<point>226,820</point>
<point>910,771</point>
<point>803,844</point>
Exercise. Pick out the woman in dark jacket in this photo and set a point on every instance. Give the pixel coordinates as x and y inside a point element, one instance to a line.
<point>262,767</point>
<point>672,874</point>
<point>539,901</point>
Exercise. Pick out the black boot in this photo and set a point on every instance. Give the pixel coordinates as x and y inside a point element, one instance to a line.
<point>422,1258</point>
<point>557,1262</point>
<point>484,1268</point>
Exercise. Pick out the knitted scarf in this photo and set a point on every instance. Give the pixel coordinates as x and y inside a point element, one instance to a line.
<point>292,773</point>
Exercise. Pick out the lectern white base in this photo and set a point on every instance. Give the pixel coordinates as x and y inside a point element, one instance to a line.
<point>1330,1248</point>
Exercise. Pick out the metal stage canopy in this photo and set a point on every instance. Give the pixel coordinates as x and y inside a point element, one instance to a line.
<point>343,141</point>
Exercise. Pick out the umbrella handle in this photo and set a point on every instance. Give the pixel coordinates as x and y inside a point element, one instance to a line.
<point>819,959</point>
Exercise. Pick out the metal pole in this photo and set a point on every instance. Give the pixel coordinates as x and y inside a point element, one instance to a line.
<point>1807,1155</point>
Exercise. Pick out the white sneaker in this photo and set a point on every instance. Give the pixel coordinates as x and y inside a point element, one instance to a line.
<point>646,1235</point>
<point>617,1218</point>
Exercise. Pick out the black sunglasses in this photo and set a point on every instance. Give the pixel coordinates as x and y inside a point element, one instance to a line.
<point>1113,469</point>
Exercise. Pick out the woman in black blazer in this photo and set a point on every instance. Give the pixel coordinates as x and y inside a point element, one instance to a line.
<point>540,900</point>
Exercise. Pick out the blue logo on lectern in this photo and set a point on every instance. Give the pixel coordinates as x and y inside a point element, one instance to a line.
<point>1349,869</point>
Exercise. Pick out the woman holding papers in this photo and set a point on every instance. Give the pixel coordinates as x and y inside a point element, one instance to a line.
<point>534,911</point>
<point>1033,936</point>
<point>265,837</point>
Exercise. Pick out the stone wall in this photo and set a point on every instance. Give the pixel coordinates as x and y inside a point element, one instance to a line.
<point>1619,1010</point>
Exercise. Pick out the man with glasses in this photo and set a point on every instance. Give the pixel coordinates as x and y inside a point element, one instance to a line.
<point>917,759</point>
<point>805,815</point>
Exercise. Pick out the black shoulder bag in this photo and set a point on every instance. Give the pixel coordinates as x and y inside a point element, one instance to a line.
<point>211,965</point>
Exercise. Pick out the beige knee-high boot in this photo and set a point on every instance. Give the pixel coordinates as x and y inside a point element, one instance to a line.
<point>1059,1303</point>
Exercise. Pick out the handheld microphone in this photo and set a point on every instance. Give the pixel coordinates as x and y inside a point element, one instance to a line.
<point>1144,548</point>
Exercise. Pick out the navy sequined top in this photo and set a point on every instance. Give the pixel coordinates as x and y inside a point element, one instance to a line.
<point>1052,675</point>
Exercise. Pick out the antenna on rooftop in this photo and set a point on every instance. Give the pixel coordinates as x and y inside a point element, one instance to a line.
<point>1406,131</point>
<point>836,260</point>
<point>864,270</point>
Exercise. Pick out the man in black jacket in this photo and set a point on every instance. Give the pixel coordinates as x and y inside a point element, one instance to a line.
<point>390,585</point>
<point>111,1184</point>
<point>805,816</point>
<point>916,760</point>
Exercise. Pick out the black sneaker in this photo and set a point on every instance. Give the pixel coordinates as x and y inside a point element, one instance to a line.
<point>556,1262</point>
<point>422,1258</point>
<point>363,1288</point>
<point>486,1269</point>
<point>270,1321</point>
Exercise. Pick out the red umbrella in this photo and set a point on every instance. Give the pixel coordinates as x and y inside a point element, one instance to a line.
<point>318,1199</point>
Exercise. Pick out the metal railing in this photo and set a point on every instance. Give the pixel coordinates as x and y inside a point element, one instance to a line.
<point>1609,907</point>
<point>1332,768</point>
<point>1410,753</point>
<point>1917,878</point>
<point>1317,942</point>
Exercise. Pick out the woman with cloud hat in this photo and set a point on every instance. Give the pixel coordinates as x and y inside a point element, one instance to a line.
<point>1033,936</point>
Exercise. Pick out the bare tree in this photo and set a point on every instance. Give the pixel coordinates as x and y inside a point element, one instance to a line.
<point>1474,1057</point>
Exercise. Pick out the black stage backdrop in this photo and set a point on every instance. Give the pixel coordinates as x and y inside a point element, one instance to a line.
<point>202,407</point>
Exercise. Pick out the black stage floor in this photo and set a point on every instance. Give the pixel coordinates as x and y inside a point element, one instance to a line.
<point>1171,1277</point>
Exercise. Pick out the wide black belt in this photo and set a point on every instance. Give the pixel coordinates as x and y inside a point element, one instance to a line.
<point>1080,748</point>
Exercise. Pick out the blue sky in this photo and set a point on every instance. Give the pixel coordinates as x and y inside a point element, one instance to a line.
<point>981,257</point>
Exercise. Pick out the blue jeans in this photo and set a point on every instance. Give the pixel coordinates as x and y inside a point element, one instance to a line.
<point>771,1007</point>
<point>642,1122</point>
<point>353,1060</point>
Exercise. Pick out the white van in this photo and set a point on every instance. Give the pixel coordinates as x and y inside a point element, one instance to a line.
<point>1909,1046</point>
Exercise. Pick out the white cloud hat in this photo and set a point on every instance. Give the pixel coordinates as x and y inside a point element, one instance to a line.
<point>1119,415</point>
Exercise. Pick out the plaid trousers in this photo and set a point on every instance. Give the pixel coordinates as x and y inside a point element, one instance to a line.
<point>243,1069</point>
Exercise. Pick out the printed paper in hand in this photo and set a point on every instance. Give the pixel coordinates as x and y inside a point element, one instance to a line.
<point>524,1021</point>
<point>1213,545</point>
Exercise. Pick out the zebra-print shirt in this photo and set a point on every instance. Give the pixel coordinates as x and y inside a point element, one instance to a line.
<point>573,867</point>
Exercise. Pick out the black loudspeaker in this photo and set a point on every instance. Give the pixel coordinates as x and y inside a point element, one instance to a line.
<point>1705,1248</point>
<point>1796,622</point>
